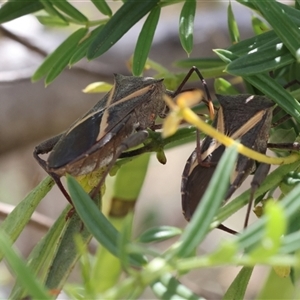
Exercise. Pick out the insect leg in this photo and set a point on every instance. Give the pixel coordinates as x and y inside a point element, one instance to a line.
<point>132,141</point>
<point>44,148</point>
<point>259,176</point>
<point>285,146</point>
<point>207,101</point>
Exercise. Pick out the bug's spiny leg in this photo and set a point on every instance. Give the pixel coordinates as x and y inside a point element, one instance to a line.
<point>44,148</point>
<point>207,101</point>
<point>285,146</point>
<point>226,229</point>
<point>259,176</point>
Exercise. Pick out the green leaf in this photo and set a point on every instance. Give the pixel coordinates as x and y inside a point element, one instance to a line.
<point>159,233</point>
<point>186,25</point>
<point>130,178</point>
<point>169,287</point>
<point>238,287</point>
<point>243,47</point>
<point>144,42</point>
<point>83,45</point>
<point>70,10</point>
<point>59,55</point>
<point>52,10</point>
<point>259,26</point>
<point>94,220</point>
<point>102,7</point>
<point>269,87</point>
<point>66,253</point>
<point>208,206</point>
<point>247,3</point>
<point>23,274</point>
<point>98,87</point>
<point>224,87</point>
<point>261,60</point>
<point>130,13</point>
<point>41,256</point>
<point>16,221</point>
<point>290,243</point>
<point>282,24</point>
<point>253,234</point>
<point>13,9</point>
<point>52,21</point>
<point>226,55</point>
<point>276,92</point>
<point>232,26</point>
<point>275,228</point>
<point>210,67</point>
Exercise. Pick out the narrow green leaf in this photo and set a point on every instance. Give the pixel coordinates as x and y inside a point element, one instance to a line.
<point>275,228</point>
<point>144,42</point>
<point>66,254</point>
<point>106,270</point>
<point>243,47</point>
<point>254,233</point>
<point>238,287</point>
<point>186,25</point>
<point>232,26</point>
<point>282,24</point>
<point>297,4</point>
<point>269,87</point>
<point>261,60</point>
<point>124,238</point>
<point>130,13</point>
<point>70,10</point>
<point>94,220</point>
<point>226,55</point>
<point>42,255</point>
<point>247,3</point>
<point>106,234</point>
<point>23,274</point>
<point>82,47</point>
<point>168,287</point>
<point>130,178</point>
<point>102,7</point>
<point>52,21</point>
<point>59,54</point>
<point>210,67</point>
<point>276,92</point>
<point>61,63</point>
<point>290,243</point>
<point>52,10</point>
<point>14,9</point>
<point>208,206</point>
<point>160,233</point>
<point>259,26</point>
<point>224,87</point>
<point>15,222</point>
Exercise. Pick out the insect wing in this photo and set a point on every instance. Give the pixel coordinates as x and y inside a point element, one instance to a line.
<point>195,179</point>
<point>243,117</point>
<point>96,128</point>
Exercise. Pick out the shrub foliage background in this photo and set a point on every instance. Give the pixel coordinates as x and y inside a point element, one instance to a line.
<point>265,63</point>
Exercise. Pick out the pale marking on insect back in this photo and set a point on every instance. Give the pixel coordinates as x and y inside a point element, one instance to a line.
<point>109,105</point>
<point>111,92</point>
<point>105,116</point>
<point>248,125</point>
<point>236,135</point>
<point>104,124</point>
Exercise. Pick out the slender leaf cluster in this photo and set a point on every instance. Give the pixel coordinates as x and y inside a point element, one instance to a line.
<point>263,64</point>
